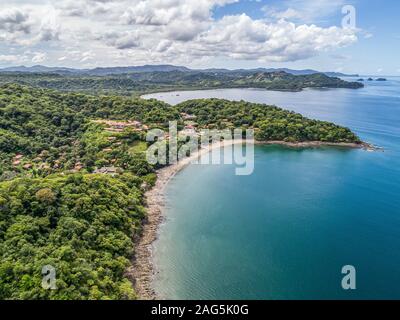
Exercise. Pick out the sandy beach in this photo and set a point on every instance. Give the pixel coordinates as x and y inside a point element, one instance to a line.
<point>142,270</point>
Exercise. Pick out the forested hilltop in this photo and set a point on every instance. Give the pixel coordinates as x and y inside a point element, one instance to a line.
<point>142,82</point>
<point>73,173</point>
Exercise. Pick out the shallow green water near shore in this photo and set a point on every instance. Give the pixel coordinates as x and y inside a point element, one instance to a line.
<point>285,231</point>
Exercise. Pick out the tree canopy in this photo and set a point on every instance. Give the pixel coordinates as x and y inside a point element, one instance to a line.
<point>82,225</point>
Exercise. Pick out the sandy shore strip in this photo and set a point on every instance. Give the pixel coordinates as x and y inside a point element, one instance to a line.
<point>142,270</point>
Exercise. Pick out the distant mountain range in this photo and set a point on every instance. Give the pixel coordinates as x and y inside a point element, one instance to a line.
<point>106,71</point>
<point>291,71</point>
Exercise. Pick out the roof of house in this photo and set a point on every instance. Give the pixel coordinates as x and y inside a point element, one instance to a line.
<point>106,170</point>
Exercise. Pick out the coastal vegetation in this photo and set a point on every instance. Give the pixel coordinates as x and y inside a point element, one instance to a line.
<point>140,82</point>
<point>82,225</point>
<point>269,122</point>
<point>73,173</point>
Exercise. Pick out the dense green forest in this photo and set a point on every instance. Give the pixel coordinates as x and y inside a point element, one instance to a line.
<point>53,131</point>
<point>56,208</point>
<point>82,225</point>
<point>141,82</point>
<point>269,122</point>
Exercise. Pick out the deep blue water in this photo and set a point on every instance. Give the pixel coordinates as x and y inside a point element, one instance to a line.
<point>285,231</point>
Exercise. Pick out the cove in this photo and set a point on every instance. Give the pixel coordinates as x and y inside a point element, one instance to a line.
<point>286,231</point>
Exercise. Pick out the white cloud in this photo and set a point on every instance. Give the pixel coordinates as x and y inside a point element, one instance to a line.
<point>39,57</point>
<point>87,55</point>
<point>122,32</point>
<point>13,20</point>
<point>81,8</point>
<point>305,11</point>
<point>27,26</point>
<point>241,37</point>
<point>120,40</point>
<point>25,57</point>
<point>8,58</point>
<point>288,14</point>
<point>50,26</point>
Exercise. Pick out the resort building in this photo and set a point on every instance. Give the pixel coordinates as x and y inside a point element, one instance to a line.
<point>186,116</point>
<point>120,126</point>
<point>107,170</point>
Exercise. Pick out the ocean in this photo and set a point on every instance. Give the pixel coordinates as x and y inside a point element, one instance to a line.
<point>286,231</point>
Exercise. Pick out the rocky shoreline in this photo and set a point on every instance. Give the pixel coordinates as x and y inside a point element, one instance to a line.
<point>142,270</point>
<point>316,144</point>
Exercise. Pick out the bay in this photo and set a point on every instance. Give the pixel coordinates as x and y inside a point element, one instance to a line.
<point>286,231</point>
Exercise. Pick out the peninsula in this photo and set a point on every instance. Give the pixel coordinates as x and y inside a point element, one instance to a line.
<point>75,182</point>
<point>135,82</point>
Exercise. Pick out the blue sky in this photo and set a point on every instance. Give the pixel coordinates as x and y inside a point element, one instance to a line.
<point>377,52</point>
<point>297,34</point>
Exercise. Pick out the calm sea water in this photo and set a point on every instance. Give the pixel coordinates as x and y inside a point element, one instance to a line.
<point>285,231</point>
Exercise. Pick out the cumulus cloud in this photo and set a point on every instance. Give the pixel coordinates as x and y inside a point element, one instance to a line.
<point>39,57</point>
<point>164,12</point>
<point>150,31</point>
<point>48,34</point>
<point>77,56</point>
<point>50,27</point>
<point>240,37</point>
<point>8,58</point>
<point>82,8</point>
<point>26,26</point>
<point>120,40</point>
<point>27,56</point>
<point>13,20</point>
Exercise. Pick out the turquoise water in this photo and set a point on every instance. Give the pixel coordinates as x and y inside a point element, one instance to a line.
<point>285,231</point>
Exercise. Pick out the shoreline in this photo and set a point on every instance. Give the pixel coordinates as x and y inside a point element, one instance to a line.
<point>143,94</point>
<point>316,144</point>
<point>142,270</point>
